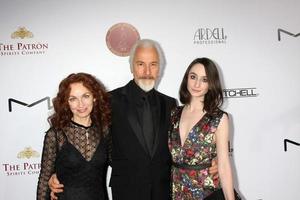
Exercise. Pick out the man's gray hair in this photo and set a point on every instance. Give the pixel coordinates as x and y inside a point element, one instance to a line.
<point>147,43</point>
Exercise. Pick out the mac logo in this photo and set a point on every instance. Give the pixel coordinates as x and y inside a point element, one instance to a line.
<point>11,101</point>
<point>280,31</point>
<point>286,141</point>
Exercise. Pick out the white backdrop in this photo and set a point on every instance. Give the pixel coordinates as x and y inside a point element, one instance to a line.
<point>260,72</point>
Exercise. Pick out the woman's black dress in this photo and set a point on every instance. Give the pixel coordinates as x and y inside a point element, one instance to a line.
<point>79,157</point>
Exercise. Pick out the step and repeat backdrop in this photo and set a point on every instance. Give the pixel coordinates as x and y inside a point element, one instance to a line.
<point>256,45</point>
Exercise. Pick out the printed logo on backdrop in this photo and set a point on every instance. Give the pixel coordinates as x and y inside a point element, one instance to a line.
<point>25,164</point>
<point>210,36</point>
<point>285,32</point>
<point>27,160</point>
<point>12,101</point>
<point>121,37</point>
<point>22,33</point>
<point>240,92</point>
<point>28,152</point>
<point>290,142</point>
<point>24,44</point>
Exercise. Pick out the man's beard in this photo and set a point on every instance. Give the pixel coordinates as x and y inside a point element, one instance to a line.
<point>146,84</point>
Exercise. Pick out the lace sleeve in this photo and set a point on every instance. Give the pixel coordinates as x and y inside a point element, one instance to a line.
<point>109,144</point>
<point>47,165</point>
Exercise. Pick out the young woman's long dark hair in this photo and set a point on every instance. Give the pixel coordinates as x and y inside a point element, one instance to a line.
<point>101,113</point>
<point>213,99</point>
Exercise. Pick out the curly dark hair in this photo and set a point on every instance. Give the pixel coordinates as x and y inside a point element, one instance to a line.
<point>213,99</point>
<point>101,113</point>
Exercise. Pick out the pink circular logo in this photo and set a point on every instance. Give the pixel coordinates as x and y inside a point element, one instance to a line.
<point>120,38</point>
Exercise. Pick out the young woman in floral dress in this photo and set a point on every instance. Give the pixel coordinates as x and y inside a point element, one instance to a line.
<point>199,132</point>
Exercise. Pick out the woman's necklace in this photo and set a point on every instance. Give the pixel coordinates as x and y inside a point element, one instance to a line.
<point>86,130</point>
<point>87,136</point>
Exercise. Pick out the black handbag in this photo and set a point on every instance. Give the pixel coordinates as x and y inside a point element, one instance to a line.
<point>219,195</point>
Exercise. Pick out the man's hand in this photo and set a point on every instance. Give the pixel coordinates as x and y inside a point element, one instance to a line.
<point>55,186</point>
<point>213,170</point>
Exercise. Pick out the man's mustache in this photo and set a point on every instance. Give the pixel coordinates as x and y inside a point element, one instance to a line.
<point>147,77</point>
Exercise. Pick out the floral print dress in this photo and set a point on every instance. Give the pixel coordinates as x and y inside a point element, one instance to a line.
<point>190,177</point>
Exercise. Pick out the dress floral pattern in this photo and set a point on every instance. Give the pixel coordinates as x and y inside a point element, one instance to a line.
<point>199,148</point>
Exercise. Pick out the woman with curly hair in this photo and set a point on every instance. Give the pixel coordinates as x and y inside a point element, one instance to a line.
<point>76,145</point>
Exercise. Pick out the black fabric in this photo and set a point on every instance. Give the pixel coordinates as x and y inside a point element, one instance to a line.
<point>78,155</point>
<point>82,179</point>
<point>136,174</point>
<point>219,195</point>
<point>138,95</point>
<point>192,167</point>
<point>147,114</point>
<point>147,124</point>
